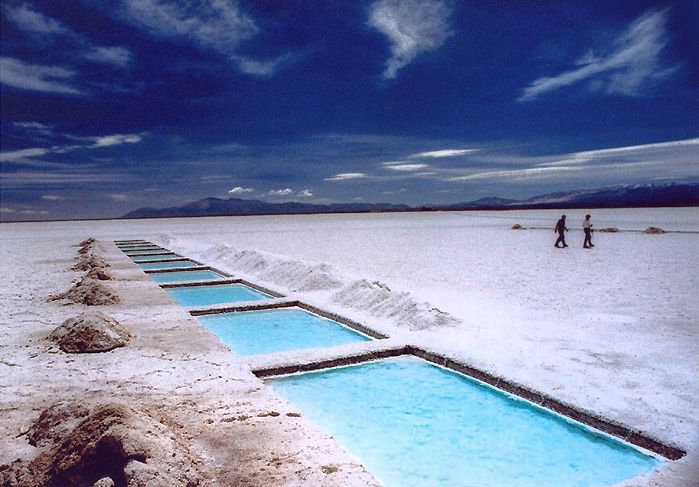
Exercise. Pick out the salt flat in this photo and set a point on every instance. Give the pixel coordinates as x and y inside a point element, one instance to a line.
<point>612,330</point>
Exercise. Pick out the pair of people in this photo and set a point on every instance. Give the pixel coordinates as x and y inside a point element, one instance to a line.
<point>561,228</point>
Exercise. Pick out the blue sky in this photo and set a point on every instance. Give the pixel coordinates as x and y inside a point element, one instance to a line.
<point>107,106</point>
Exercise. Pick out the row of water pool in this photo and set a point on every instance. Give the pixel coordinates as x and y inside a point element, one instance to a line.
<point>409,420</point>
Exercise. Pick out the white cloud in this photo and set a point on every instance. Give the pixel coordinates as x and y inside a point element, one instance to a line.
<point>239,190</point>
<point>6,209</point>
<point>674,159</point>
<point>442,153</point>
<point>33,179</point>
<point>405,167</point>
<point>30,21</point>
<point>345,176</point>
<point>51,197</point>
<point>306,193</point>
<point>34,127</point>
<point>37,77</point>
<point>216,25</point>
<point>261,68</point>
<point>413,27</point>
<point>34,22</point>
<point>17,155</point>
<point>116,56</point>
<point>632,63</point>
<point>280,192</point>
<point>116,139</point>
<point>96,143</point>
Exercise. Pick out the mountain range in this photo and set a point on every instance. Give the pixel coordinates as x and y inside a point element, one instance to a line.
<point>627,196</point>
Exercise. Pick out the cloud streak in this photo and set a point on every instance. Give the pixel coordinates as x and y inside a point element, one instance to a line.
<point>37,77</point>
<point>442,153</point>
<point>664,159</point>
<point>413,27</point>
<point>37,24</point>
<point>214,25</point>
<point>632,63</point>
<point>347,176</point>
<point>23,155</point>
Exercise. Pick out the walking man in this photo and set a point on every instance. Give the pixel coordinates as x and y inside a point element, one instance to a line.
<point>560,228</point>
<point>587,228</point>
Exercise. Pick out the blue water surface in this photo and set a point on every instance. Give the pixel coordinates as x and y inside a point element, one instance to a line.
<point>185,276</point>
<point>414,424</point>
<point>278,330</point>
<point>145,258</point>
<point>167,265</point>
<point>222,293</point>
<point>146,248</point>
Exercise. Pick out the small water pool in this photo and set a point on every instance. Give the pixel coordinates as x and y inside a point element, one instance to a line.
<point>185,276</point>
<point>146,258</point>
<point>413,423</point>
<point>277,330</point>
<point>216,294</point>
<point>144,249</point>
<point>133,253</point>
<point>167,265</point>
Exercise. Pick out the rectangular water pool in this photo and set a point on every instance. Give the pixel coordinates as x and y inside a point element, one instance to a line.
<point>413,423</point>
<point>145,258</point>
<point>185,276</point>
<point>167,265</point>
<point>216,294</point>
<point>143,249</point>
<point>136,253</point>
<point>277,330</point>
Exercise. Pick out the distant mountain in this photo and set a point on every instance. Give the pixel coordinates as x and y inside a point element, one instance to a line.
<point>236,206</point>
<point>640,195</point>
<point>666,195</point>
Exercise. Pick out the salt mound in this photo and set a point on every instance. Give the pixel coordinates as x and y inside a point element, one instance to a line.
<point>373,298</point>
<point>90,261</point>
<point>86,245</point>
<point>99,274</point>
<point>89,333</point>
<point>84,445</point>
<point>653,231</point>
<point>87,242</point>
<point>295,275</point>
<point>401,307</point>
<point>90,292</point>
<point>608,230</point>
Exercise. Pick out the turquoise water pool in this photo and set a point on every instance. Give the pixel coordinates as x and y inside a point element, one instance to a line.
<point>167,265</point>
<point>185,276</point>
<point>142,249</point>
<point>221,293</point>
<point>278,330</point>
<point>145,258</point>
<point>414,424</point>
<point>146,252</point>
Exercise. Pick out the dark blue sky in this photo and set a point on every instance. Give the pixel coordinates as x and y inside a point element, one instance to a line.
<point>107,106</point>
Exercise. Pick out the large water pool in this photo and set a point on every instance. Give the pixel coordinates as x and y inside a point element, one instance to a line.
<point>167,265</point>
<point>277,330</point>
<point>221,293</point>
<point>185,276</point>
<point>413,423</point>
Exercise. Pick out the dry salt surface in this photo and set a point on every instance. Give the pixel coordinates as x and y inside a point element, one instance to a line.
<point>613,330</point>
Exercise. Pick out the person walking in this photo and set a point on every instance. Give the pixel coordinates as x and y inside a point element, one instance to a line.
<point>560,228</point>
<point>587,228</point>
